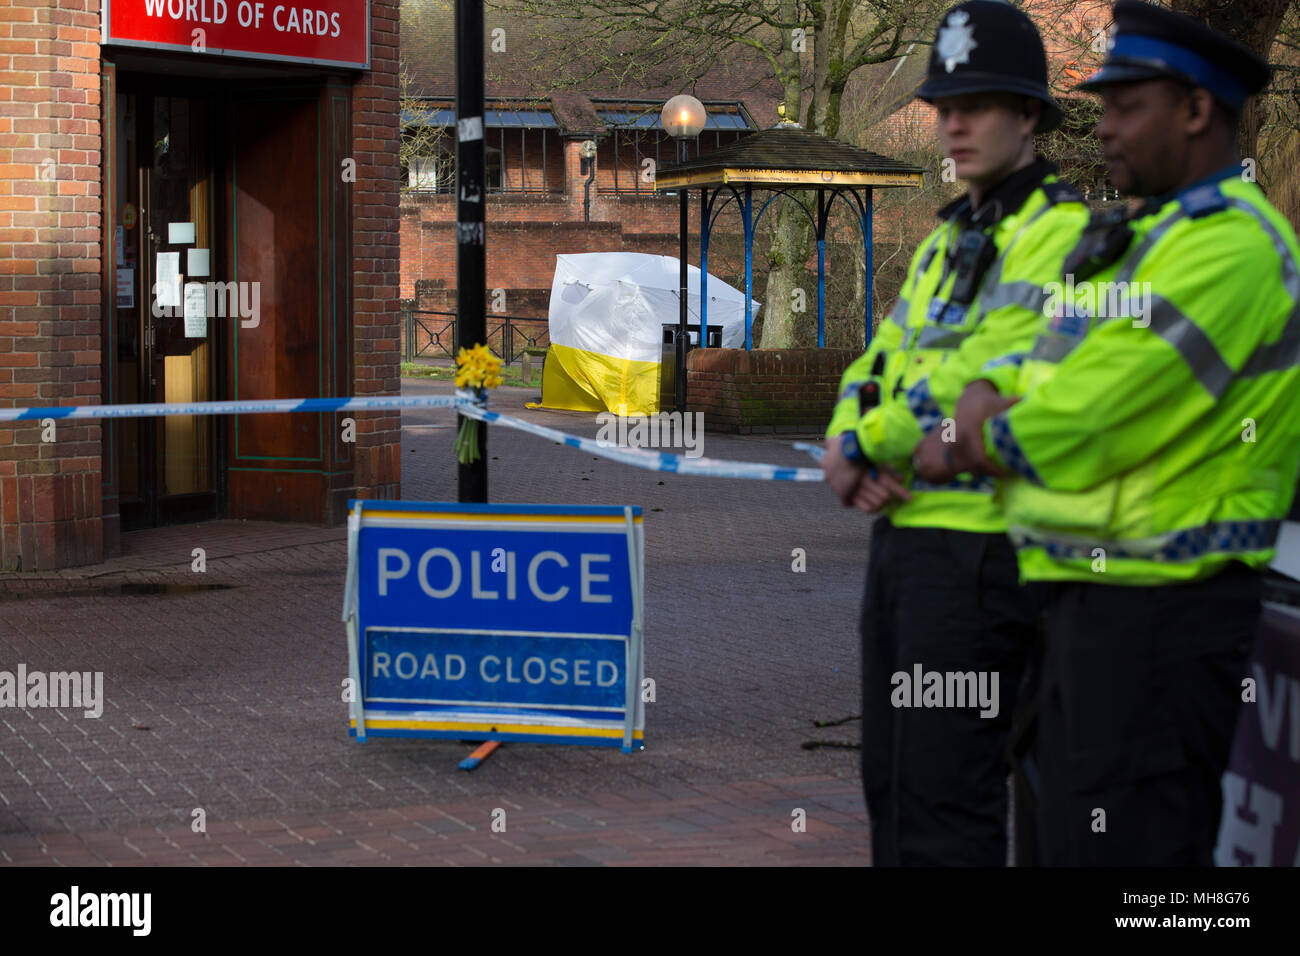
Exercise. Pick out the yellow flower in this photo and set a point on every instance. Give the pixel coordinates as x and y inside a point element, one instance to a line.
<point>477,368</point>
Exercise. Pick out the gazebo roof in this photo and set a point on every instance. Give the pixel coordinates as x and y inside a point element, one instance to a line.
<point>788,155</point>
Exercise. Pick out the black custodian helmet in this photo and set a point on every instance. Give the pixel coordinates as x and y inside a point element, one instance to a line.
<point>988,46</point>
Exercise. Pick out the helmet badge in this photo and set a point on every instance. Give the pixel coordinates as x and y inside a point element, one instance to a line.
<point>956,40</point>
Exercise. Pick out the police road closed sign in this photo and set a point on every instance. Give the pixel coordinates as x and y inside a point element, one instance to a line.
<point>321,32</point>
<point>496,622</point>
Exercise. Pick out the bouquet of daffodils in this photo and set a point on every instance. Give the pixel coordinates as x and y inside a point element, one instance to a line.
<point>477,370</point>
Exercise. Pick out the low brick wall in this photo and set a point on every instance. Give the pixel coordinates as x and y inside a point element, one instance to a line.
<point>765,390</point>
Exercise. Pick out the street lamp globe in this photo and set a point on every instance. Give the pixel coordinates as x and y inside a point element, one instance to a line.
<point>683,116</point>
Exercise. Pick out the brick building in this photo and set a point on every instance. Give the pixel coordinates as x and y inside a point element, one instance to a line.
<point>193,209</point>
<point>542,199</point>
<point>540,203</point>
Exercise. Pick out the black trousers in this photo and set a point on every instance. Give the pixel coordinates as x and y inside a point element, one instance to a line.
<point>935,777</point>
<point>1140,694</point>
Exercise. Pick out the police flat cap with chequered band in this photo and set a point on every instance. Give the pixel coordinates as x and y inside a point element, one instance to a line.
<point>1150,42</point>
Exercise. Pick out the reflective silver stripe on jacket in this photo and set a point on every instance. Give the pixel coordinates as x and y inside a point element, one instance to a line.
<point>1198,352</point>
<point>939,337</point>
<point>899,314</point>
<point>1027,295</point>
<point>1053,348</point>
<point>1187,544</point>
<point>1024,293</point>
<point>1285,352</point>
<point>1135,256</point>
<point>1196,348</point>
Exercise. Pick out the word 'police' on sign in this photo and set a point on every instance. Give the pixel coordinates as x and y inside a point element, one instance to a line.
<point>324,32</point>
<point>496,622</point>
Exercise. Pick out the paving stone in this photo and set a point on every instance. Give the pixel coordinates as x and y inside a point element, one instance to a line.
<point>227,698</point>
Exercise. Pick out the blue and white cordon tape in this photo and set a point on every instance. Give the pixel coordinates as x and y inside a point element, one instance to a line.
<point>260,407</point>
<point>468,406</point>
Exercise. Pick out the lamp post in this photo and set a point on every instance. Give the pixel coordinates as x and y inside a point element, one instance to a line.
<point>471,256</point>
<point>683,118</point>
<point>587,167</point>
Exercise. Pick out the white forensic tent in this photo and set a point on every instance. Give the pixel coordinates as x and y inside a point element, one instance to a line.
<point>607,315</point>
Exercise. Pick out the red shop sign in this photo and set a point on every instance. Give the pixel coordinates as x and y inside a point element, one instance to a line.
<point>323,32</point>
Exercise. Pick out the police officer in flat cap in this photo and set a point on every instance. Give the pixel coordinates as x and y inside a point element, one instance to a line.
<point>946,627</point>
<point>1148,450</point>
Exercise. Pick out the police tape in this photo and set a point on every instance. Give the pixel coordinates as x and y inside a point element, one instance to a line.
<point>251,407</point>
<point>645,458</point>
<point>817,451</point>
<point>636,457</point>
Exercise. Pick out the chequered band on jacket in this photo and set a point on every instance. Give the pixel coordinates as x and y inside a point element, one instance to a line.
<point>923,406</point>
<point>1187,544</point>
<point>1008,448</point>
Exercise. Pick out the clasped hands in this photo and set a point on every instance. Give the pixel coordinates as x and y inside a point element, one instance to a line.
<point>871,487</point>
<point>938,461</point>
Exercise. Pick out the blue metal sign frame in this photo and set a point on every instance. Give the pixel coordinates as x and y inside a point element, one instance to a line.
<point>496,622</point>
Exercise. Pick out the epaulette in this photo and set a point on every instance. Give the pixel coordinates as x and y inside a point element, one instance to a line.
<point>1203,200</point>
<point>1060,191</point>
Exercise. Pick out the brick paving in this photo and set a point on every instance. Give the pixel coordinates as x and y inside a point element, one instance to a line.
<point>223,689</point>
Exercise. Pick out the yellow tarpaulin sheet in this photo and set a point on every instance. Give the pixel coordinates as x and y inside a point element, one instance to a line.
<point>583,381</point>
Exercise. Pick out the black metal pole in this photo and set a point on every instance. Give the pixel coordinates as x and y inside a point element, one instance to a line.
<point>471,260</point>
<point>679,378</point>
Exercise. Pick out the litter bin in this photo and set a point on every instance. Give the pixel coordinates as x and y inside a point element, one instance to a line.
<point>668,358</point>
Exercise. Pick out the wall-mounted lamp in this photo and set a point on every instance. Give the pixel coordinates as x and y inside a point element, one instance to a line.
<point>587,166</point>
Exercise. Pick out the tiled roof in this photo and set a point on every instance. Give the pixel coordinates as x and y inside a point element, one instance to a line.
<point>791,148</point>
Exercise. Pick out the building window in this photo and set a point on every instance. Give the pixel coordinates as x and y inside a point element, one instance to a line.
<point>525,154</point>
<point>432,173</point>
<point>636,143</point>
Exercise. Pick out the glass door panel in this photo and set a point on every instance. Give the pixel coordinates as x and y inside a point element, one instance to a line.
<point>167,356</point>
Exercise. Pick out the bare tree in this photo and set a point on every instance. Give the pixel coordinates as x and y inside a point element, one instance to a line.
<point>812,48</point>
<point>425,148</point>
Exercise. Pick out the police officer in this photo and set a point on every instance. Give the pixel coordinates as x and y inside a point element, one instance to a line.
<point>1152,455</point>
<point>942,595</point>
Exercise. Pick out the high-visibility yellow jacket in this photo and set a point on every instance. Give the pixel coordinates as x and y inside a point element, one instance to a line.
<point>930,348</point>
<point>1159,435</point>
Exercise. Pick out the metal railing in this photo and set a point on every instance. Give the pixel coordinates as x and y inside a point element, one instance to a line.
<point>507,335</point>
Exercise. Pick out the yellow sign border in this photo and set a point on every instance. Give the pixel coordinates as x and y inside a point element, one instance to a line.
<point>785,177</point>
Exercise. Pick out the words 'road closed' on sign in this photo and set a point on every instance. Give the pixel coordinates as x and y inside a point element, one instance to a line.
<point>496,622</point>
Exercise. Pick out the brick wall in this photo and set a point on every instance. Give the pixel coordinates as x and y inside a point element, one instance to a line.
<point>525,234</point>
<point>50,145</point>
<point>765,390</point>
<point>376,250</point>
